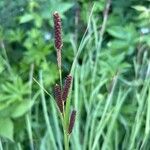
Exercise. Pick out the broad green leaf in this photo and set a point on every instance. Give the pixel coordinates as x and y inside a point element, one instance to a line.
<point>22,108</point>
<point>63,7</point>
<point>140,8</point>
<point>6,112</point>
<point>26,18</point>
<point>100,5</point>
<point>55,6</point>
<point>118,32</point>
<point>118,44</point>
<point>6,107</point>
<point>6,128</point>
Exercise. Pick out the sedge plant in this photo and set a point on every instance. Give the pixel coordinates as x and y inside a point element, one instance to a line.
<point>62,91</point>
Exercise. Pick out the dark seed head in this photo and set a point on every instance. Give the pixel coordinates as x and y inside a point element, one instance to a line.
<point>58,97</point>
<point>58,37</point>
<point>72,121</point>
<point>57,29</point>
<point>67,86</point>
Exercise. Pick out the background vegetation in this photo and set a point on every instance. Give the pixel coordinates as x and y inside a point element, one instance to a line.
<point>110,49</point>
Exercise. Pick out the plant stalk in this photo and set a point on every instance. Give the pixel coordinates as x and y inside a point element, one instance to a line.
<point>60,77</point>
<point>66,135</point>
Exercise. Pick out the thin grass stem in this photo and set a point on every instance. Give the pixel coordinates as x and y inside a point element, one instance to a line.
<point>46,114</point>
<point>28,116</point>
<point>1,146</point>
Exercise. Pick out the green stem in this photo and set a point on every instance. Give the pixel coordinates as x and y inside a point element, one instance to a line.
<point>6,57</point>
<point>60,77</point>
<point>1,147</point>
<point>28,116</point>
<point>63,118</point>
<point>29,130</point>
<point>66,136</point>
<point>19,146</point>
<point>46,117</point>
<point>66,140</point>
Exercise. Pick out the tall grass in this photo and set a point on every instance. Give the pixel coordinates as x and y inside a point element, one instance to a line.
<point>116,119</point>
<point>112,115</point>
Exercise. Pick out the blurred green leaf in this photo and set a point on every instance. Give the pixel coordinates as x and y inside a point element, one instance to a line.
<point>139,8</point>
<point>21,108</point>
<point>118,44</point>
<point>61,7</point>
<point>14,90</point>
<point>117,32</point>
<point>6,128</point>
<point>26,18</point>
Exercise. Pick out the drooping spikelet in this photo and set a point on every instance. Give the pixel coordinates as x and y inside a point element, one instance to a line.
<point>66,88</point>
<point>58,97</point>
<point>72,121</point>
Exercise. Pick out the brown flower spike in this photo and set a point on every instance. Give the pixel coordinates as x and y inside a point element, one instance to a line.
<point>58,36</point>
<point>72,121</point>
<point>57,30</point>
<point>58,97</point>
<point>67,86</point>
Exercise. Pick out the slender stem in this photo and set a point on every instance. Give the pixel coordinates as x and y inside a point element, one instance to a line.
<point>28,116</point>
<point>19,146</point>
<point>66,140</point>
<point>46,117</point>
<point>6,57</point>
<point>82,41</point>
<point>29,130</point>
<point>60,77</point>
<point>66,136</point>
<point>1,147</point>
<point>63,116</point>
<point>102,31</point>
<point>43,88</point>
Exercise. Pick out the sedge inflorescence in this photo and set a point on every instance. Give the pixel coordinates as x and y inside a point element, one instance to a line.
<point>57,30</point>
<point>58,37</point>
<point>62,92</point>
<point>72,120</point>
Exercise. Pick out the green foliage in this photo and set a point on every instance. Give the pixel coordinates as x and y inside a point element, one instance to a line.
<point>111,74</point>
<point>6,128</point>
<point>22,108</point>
